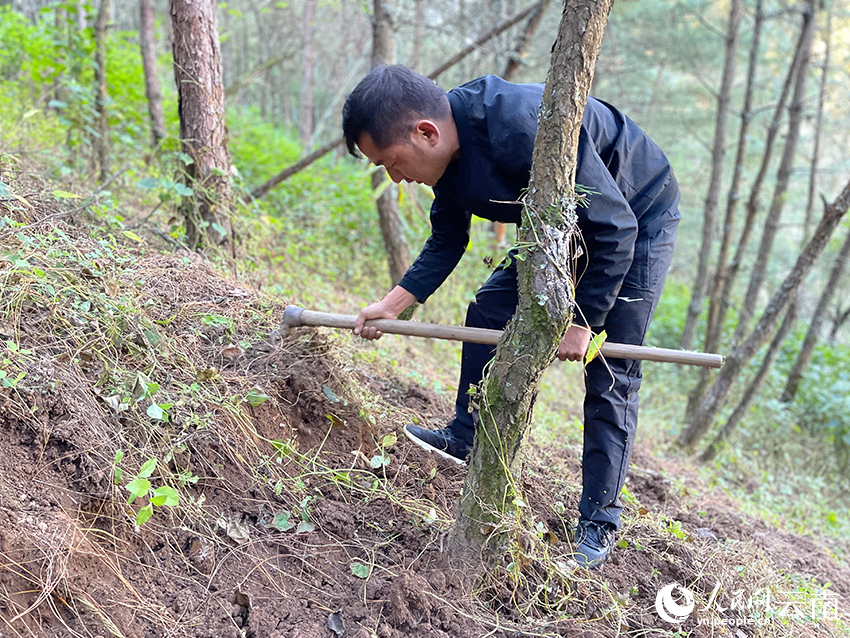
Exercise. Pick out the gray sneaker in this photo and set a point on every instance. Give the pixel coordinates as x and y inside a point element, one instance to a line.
<point>593,542</point>
<point>443,442</point>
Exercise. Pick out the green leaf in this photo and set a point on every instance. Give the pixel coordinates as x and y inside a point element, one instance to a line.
<point>255,397</point>
<point>148,468</point>
<point>183,190</point>
<point>156,412</point>
<point>137,488</point>
<point>360,569</point>
<point>330,394</point>
<point>595,346</point>
<point>148,183</point>
<point>65,195</point>
<point>186,159</point>
<point>379,461</point>
<point>388,440</point>
<point>165,495</point>
<point>305,527</point>
<point>282,521</point>
<point>131,235</point>
<point>144,514</point>
<point>30,113</point>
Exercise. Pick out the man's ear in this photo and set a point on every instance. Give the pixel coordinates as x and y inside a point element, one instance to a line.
<point>426,131</point>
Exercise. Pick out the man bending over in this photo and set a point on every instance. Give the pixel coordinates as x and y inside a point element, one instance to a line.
<point>474,146</point>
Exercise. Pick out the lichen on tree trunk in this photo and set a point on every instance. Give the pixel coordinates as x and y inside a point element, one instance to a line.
<point>491,501</point>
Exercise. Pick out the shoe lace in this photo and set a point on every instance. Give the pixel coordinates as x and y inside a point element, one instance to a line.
<point>603,536</point>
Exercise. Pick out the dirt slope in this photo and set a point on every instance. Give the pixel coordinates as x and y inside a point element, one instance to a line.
<point>302,510</point>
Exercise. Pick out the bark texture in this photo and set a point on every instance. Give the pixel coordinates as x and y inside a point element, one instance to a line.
<point>517,56</point>
<point>152,88</point>
<point>753,200</point>
<point>813,172</point>
<point>718,304</point>
<point>491,495</point>
<point>203,130</point>
<point>101,146</point>
<point>783,176</point>
<point>817,321</point>
<point>308,51</point>
<point>718,153</point>
<point>755,386</point>
<point>398,254</point>
<point>741,355</point>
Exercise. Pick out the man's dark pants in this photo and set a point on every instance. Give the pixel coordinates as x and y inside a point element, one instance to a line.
<point>611,400</point>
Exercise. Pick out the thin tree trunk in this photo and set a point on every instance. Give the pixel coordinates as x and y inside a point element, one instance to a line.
<point>82,21</point>
<point>813,173</point>
<point>752,207</point>
<point>718,304</point>
<point>101,145</point>
<point>264,189</point>
<point>783,175</point>
<point>474,46</point>
<point>418,19</point>
<point>517,56</point>
<point>741,355</point>
<point>817,320</point>
<point>203,130</point>
<point>718,153</point>
<point>755,386</point>
<point>398,255</point>
<point>841,317</point>
<point>528,345</point>
<point>152,89</point>
<point>308,31</point>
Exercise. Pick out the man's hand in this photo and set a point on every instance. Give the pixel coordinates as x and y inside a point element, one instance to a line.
<point>574,344</point>
<point>389,307</point>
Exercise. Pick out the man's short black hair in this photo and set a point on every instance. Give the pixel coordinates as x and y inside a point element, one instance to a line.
<point>387,102</point>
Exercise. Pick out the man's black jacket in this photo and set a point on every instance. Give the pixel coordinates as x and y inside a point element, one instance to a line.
<point>635,192</point>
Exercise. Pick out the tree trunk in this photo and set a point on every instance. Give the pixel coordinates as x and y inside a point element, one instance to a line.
<point>101,145</point>
<point>491,492</point>
<point>82,21</point>
<point>203,130</point>
<point>813,172</point>
<point>813,334</point>
<point>732,269</point>
<point>841,317</point>
<point>418,19</point>
<point>718,153</point>
<point>308,31</point>
<point>398,255</point>
<point>154,94</point>
<point>783,175</point>
<point>755,386</point>
<point>718,304</point>
<point>517,56</point>
<point>741,355</point>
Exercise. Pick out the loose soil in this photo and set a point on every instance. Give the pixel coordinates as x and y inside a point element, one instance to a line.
<point>299,517</point>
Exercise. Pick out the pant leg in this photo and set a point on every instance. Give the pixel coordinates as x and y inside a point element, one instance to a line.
<point>611,402</point>
<point>494,305</point>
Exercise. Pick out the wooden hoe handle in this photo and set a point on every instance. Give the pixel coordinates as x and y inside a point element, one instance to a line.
<point>294,316</point>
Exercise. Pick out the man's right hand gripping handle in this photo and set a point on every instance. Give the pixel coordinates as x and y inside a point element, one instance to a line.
<point>389,307</point>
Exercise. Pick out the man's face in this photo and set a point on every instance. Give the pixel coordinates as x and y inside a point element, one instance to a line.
<point>417,159</point>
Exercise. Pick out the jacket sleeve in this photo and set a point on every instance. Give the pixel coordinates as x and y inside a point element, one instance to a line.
<point>609,229</point>
<point>442,251</point>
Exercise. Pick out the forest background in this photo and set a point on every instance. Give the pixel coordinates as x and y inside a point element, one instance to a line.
<point>315,239</point>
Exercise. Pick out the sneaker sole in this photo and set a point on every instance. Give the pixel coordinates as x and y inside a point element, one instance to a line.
<point>430,448</point>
